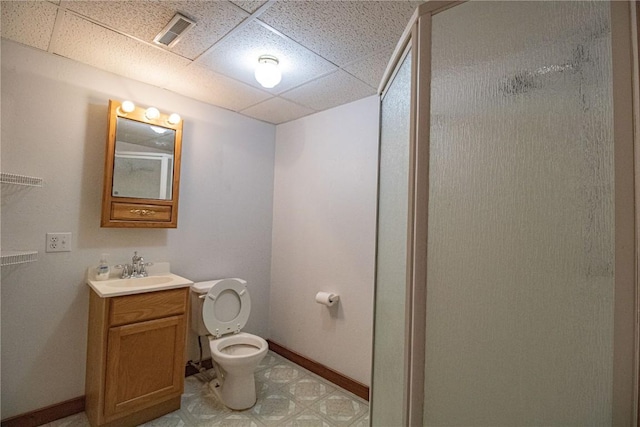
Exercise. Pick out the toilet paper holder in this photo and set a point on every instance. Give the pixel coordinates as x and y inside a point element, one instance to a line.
<point>327,298</point>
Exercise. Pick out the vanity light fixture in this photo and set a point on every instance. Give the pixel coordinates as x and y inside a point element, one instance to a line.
<point>267,72</point>
<point>152,113</point>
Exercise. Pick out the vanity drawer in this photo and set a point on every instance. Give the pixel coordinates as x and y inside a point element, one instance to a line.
<point>147,306</point>
<point>135,212</point>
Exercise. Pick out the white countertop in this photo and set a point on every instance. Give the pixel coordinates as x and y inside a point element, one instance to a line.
<point>159,279</point>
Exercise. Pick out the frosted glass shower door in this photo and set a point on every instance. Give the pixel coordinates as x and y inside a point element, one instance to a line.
<point>521,236</point>
<point>389,362</point>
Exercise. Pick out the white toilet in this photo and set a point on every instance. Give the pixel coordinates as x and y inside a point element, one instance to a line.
<point>220,309</point>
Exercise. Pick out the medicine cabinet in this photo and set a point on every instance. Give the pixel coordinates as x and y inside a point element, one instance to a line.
<point>142,167</point>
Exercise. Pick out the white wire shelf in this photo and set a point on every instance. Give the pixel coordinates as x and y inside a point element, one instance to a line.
<point>12,178</point>
<point>17,257</point>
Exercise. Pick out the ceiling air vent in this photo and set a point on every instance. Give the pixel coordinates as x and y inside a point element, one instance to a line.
<point>175,29</point>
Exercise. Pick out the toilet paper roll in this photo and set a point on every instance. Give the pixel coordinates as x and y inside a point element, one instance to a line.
<point>327,298</point>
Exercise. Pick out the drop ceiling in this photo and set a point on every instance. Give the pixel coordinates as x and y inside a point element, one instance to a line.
<point>330,52</point>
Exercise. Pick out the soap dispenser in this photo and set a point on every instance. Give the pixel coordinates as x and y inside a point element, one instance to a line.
<point>102,272</point>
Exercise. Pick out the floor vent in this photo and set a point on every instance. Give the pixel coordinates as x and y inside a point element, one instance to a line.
<point>173,32</point>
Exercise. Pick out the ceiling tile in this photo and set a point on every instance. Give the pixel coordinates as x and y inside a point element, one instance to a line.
<point>249,5</point>
<point>341,31</point>
<point>208,86</point>
<point>330,91</point>
<point>144,19</point>
<point>371,69</point>
<point>95,45</point>
<point>277,110</point>
<point>28,22</point>
<point>237,56</point>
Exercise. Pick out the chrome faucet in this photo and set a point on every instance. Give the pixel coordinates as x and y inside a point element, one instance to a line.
<point>137,268</point>
<point>126,272</point>
<point>135,264</point>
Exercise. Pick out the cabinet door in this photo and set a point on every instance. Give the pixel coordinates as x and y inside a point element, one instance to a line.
<point>145,364</point>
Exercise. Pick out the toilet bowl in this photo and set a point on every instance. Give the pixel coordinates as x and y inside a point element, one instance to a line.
<point>220,310</point>
<point>238,356</point>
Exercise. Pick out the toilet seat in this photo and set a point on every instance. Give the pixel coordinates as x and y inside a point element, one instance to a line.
<point>226,307</point>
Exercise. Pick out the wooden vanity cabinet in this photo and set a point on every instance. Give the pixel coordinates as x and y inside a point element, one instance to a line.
<point>135,356</point>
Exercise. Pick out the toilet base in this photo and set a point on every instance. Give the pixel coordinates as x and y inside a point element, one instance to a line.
<point>236,358</point>
<point>237,392</point>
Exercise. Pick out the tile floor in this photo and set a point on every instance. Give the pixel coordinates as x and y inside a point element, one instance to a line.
<point>288,396</point>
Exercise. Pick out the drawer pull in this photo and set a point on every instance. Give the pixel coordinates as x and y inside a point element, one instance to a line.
<point>140,213</point>
<point>143,212</point>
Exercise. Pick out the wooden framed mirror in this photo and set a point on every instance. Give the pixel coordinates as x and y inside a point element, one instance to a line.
<point>142,167</point>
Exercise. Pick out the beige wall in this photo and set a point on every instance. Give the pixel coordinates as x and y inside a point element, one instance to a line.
<point>324,236</point>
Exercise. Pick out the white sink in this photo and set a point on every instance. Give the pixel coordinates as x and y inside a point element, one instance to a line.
<point>139,282</point>
<point>158,280</point>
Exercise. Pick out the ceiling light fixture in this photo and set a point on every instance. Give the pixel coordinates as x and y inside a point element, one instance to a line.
<point>267,72</point>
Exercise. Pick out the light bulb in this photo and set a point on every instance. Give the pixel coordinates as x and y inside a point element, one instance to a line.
<point>267,72</point>
<point>174,119</point>
<point>152,113</point>
<point>127,106</point>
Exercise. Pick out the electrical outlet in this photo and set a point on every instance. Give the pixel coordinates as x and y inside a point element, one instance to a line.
<point>58,242</point>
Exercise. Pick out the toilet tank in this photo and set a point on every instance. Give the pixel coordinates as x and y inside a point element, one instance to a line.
<point>199,289</point>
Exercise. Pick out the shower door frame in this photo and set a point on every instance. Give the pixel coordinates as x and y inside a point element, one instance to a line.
<point>625,36</point>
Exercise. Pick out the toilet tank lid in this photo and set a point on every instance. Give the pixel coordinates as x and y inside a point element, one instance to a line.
<point>203,287</point>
